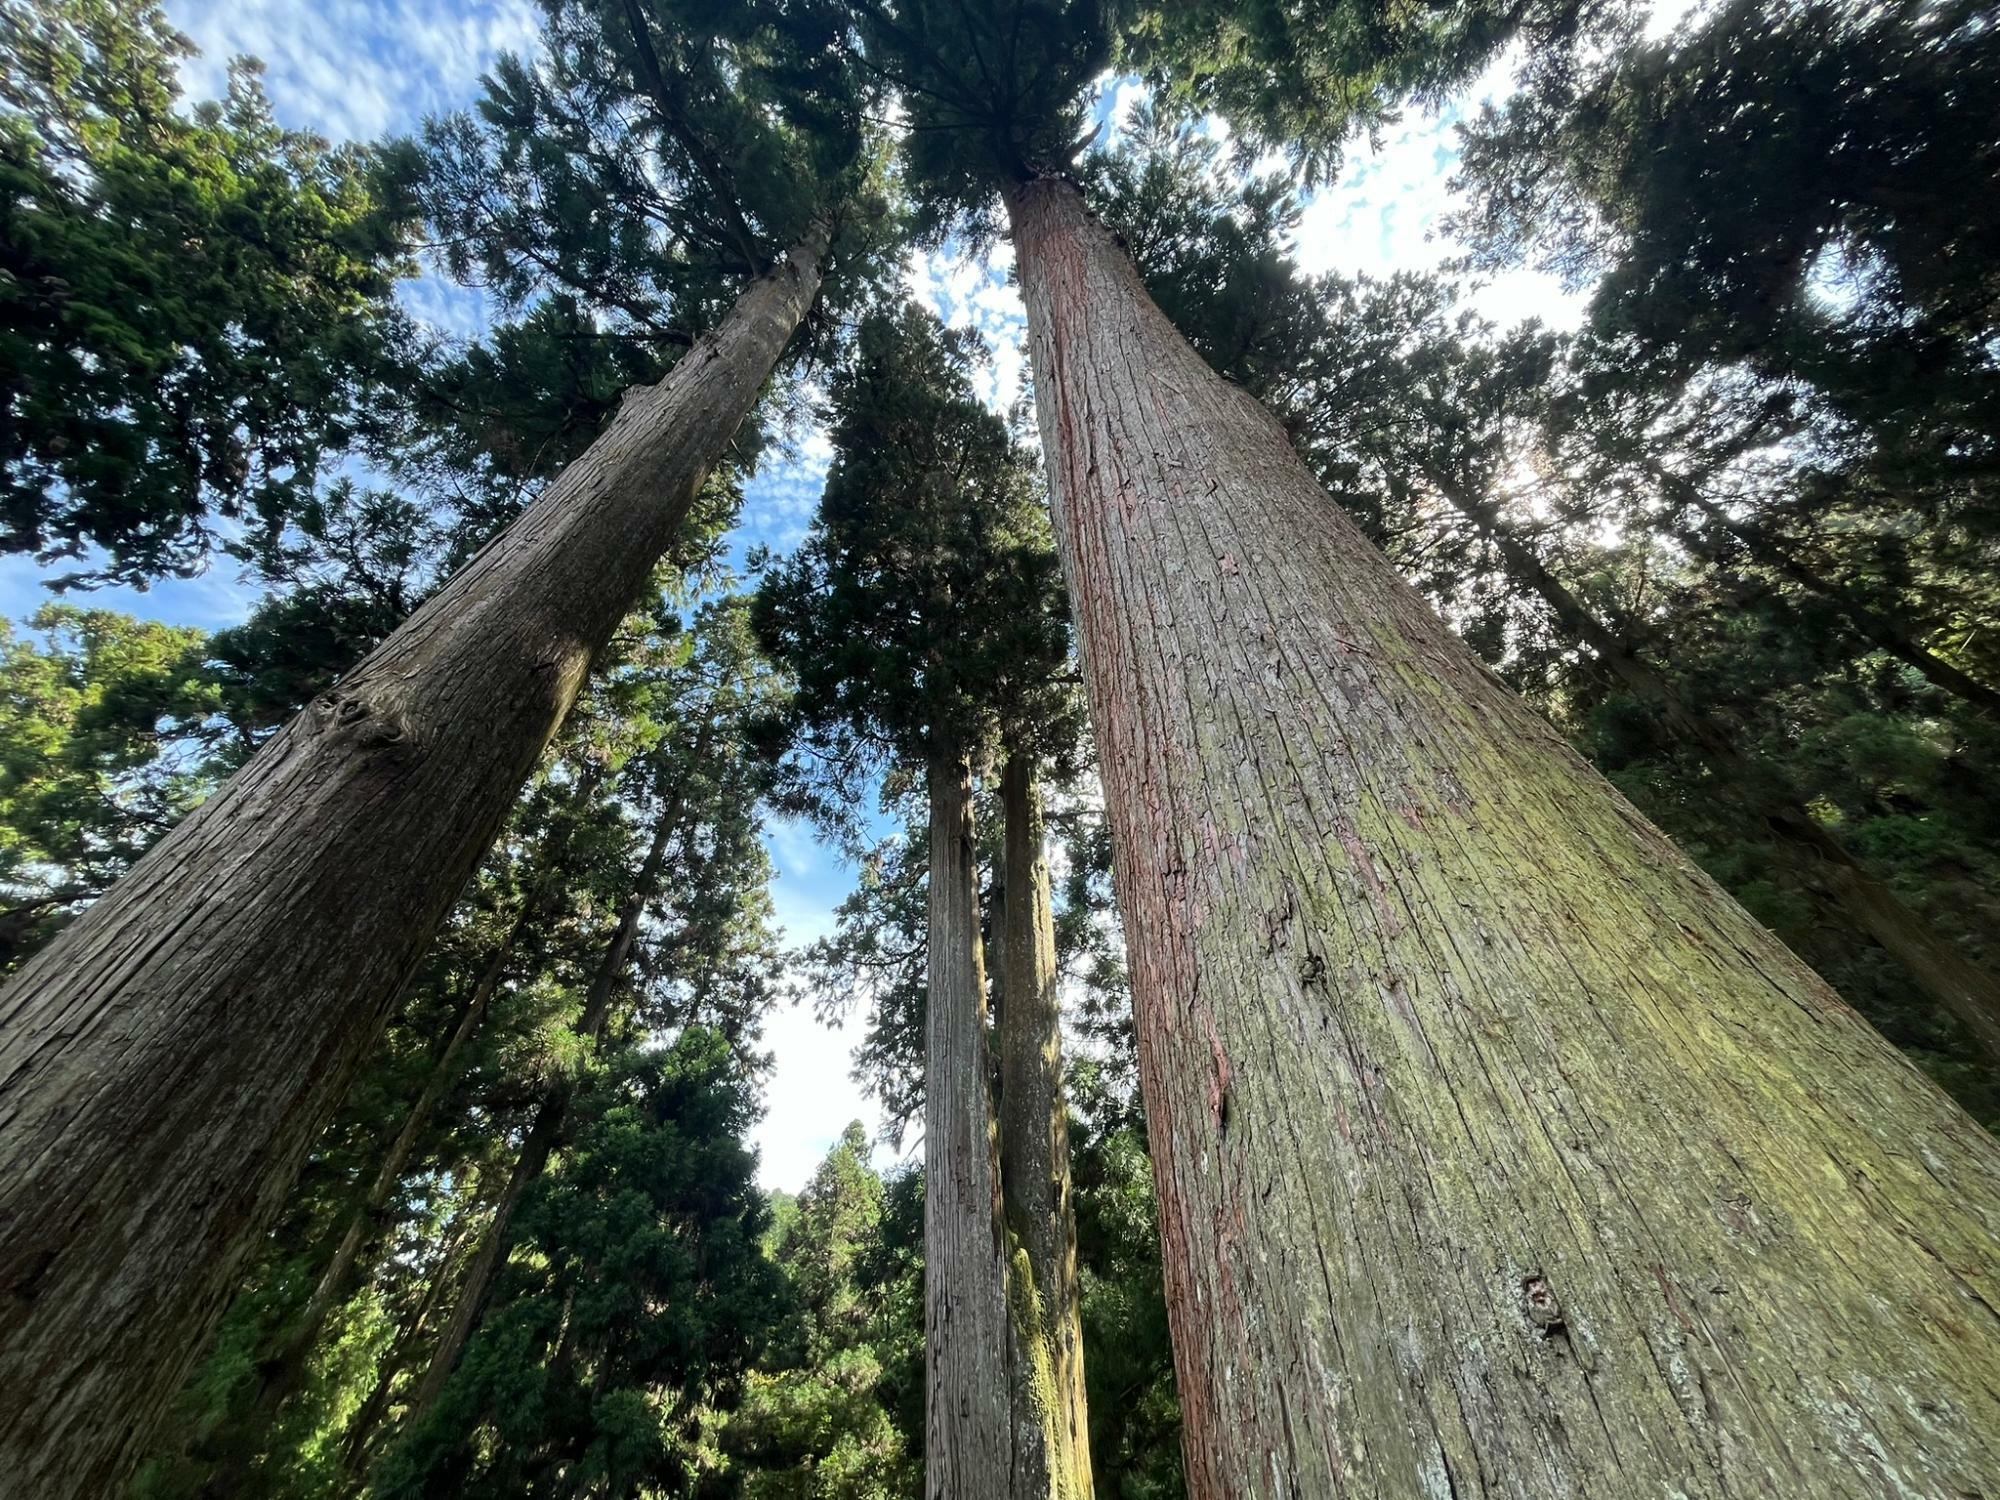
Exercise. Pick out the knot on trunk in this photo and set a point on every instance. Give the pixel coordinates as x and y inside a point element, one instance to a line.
<point>1539,1300</point>
<point>366,716</point>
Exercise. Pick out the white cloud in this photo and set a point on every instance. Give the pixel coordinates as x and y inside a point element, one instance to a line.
<point>809,1098</point>
<point>355,69</point>
<point>464,312</point>
<point>1385,213</point>
<point>979,295</point>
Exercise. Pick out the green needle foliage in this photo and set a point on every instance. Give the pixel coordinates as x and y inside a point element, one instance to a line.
<point>195,303</point>
<point>615,192</point>
<point>924,608</point>
<point>820,1419</point>
<point>104,742</point>
<point>1806,190</point>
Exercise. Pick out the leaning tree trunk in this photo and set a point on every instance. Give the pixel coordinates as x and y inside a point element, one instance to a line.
<point>336,1280</point>
<point>544,1135</point>
<point>1819,860</point>
<point>1035,1184</point>
<point>165,1064</point>
<point>1498,1151</point>
<point>980,1443</point>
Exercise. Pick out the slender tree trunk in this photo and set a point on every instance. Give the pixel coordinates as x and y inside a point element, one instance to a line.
<point>369,1418</point>
<point>979,1443</point>
<point>1035,1186</point>
<point>335,1280</point>
<point>285,1370</point>
<point>544,1135</point>
<point>1819,859</point>
<point>1877,629</point>
<point>165,1064</point>
<point>1498,1151</point>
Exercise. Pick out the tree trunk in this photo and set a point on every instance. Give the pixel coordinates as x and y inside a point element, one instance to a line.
<point>1498,1151</point>
<point>285,1369</point>
<point>1034,1133</point>
<point>545,1134</point>
<point>1819,859</point>
<point>165,1064</point>
<point>978,1442</point>
<point>354,1448</point>
<point>334,1281</point>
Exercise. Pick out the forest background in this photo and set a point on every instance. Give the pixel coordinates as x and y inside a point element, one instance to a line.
<point>363,71</point>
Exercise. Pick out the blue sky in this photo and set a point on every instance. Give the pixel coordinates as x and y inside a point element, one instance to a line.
<point>359,69</point>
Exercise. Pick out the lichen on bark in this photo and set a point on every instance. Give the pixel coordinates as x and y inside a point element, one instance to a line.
<point>1434,1026</point>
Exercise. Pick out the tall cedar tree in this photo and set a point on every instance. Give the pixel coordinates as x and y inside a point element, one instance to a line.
<point>921,621</point>
<point>1445,1048</point>
<point>529,948</point>
<point>1443,416</point>
<point>115,728</point>
<point>267,937</point>
<point>818,1422</point>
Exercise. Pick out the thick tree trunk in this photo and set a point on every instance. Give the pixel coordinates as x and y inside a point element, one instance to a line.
<point>979,1441</point>
<point>1498,1151</point>
<point>1034,1134</point>
<point>1821,861</point>
<point>545,1134</point>
<point>165,1064</point>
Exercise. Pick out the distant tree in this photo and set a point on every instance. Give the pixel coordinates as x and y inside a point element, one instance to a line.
<point>1797,200</point>
<point>195,311</point>
<point>816,1421</point>
<point>919,622</point>
<point>644,1297</point>
<point>102,748</point>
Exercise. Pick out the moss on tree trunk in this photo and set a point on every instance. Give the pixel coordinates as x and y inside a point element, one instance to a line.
<point>1034,1128</point>
<point>1498,1151</point>
<point>985,1388</point>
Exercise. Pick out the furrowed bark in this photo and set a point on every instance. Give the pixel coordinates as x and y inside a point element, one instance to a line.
<point>1034,1134</point>
<point>1821,862</point>
<point>544,1135</point>
<point>1498,1151</point>
<point>165,1064</point>
<point>979,1444</point>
